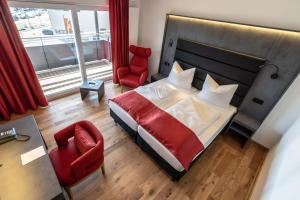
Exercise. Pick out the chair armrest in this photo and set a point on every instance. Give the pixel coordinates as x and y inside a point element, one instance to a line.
<point>63,135</point>
<point>123,71</point>
<point>143,77</point>
<point>92,157</point>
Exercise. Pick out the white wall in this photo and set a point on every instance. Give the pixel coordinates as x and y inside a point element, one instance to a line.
<point>278,13</point>
<point>285,112</point>
<point>133,25</point>
<point>280,175</point>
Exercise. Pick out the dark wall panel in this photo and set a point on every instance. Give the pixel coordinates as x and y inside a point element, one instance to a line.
<point>278,47</point>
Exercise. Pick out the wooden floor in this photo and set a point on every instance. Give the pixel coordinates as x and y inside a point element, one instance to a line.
<point>224,171</point>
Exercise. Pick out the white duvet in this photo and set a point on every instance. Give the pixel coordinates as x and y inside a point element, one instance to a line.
<point>194,113</point>
<point>163,94</point>
<point>205,120</point>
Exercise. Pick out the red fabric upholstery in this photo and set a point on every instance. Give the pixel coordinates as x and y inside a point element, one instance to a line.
<point>140,51</point>
<point>20,89</point>
<point>61,159</point>
<point>130,80</point>
<point>69,163</point>
<point>137,72</point>
<point>83,139</point>
<point>123,71</point>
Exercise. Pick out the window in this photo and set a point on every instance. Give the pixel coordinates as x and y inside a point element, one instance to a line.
<point>95,38</point>
<point>49,37</point>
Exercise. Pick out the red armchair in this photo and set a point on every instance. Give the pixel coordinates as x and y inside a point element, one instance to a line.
<point>137,72</point>
<point>79,153</point>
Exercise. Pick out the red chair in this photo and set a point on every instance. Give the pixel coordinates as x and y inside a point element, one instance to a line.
<point>79,153</point>
<point>136,74</point>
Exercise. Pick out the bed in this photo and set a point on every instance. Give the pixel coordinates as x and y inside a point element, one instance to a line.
<point>161,93</point>
<point>226,67</point>
<point>206,134</point>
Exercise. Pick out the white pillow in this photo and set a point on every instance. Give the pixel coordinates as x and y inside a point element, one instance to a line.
<point>216,94</point>
<point>181,78</point>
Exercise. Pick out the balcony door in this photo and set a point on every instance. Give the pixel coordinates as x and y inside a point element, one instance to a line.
<point>95,40</point>
<point>66,46</point>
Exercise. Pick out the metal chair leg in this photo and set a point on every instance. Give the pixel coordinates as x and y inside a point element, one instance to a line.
<point>69,192</point>
<point>103,169</point>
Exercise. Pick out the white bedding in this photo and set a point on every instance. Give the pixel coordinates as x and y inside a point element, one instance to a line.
<point>161,93</point>
<point>194,113</point>
<point>206,121</point>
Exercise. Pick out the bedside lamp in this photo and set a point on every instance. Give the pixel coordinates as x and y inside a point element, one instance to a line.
<point>274,75</point>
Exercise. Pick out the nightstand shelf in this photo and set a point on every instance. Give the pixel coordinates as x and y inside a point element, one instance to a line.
<point>244,125</point>
<point>241,130</point>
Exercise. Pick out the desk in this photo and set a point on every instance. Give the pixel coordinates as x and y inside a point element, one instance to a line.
<point>35,180</point>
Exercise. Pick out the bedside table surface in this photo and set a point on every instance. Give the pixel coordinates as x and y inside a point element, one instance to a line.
<point>86,86</point>
<point>247,121</point>
<point>157,76</point>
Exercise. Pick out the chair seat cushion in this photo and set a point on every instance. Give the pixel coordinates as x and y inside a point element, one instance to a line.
<point>61,159</point>
<point>130,80</point>
<point>83,140</point>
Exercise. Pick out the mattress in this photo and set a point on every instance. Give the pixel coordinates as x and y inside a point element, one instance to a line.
<point>161,93</point>
<point>205,134</point>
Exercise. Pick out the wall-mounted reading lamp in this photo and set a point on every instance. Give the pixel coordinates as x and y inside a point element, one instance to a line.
<point>275,75</point>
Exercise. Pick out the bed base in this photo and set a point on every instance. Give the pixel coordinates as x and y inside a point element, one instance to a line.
<point>132,133</point>
<point>173,173</point>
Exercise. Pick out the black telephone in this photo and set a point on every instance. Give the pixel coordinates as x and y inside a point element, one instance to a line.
<point>11,134</point>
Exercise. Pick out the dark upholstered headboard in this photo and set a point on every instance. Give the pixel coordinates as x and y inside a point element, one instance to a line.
<point>226,67</point>
<point>247,48</point>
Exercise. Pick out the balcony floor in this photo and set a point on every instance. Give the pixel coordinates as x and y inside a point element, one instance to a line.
<point>68,78</point>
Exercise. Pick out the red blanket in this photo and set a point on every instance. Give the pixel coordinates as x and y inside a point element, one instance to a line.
<point>175,136</point>
<point>134,104</point>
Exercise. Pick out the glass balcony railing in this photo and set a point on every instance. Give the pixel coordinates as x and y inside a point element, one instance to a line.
<point>57,51</point>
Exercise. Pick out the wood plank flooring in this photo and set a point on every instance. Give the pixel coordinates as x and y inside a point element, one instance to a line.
<point>223,172</point>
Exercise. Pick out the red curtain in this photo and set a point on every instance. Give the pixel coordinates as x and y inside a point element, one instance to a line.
<point>19,86</point>
<point>119,17</point>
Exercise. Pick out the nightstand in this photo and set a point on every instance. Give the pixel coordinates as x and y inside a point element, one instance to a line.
<point>96,86</point>
<point>157,77</point>
<point>243,125</point>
